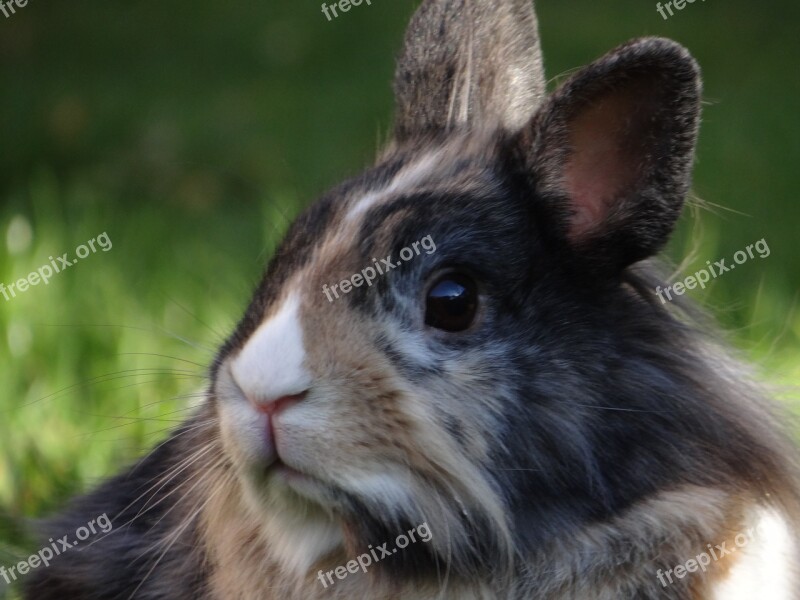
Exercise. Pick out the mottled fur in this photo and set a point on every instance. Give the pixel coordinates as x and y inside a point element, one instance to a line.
<point>575,441</point>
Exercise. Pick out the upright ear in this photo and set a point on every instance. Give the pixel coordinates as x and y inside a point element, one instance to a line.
<point>468,63</point>
<point>610,153</point>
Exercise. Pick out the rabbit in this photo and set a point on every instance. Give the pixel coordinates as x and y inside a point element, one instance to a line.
<point>519,391</point>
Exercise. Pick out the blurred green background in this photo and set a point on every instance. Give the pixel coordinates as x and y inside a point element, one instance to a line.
<point>193,132</point>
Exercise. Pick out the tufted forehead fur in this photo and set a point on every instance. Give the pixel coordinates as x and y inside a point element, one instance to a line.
<point>576,439</point>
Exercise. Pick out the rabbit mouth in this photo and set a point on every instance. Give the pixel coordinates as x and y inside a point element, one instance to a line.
<point>252,437</point>
<point>270,456</point>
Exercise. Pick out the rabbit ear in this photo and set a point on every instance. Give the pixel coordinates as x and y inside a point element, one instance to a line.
<point>467,63</point>
<point>610,153</point>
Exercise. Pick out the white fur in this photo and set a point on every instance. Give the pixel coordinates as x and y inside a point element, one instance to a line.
<point>407,178</point>
<point>299,535</point>
<point>272,363</point>
<point>766,569</point>
<point>391,490</point>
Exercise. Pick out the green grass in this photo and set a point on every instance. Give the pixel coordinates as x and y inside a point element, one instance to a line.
<point>192,134</point>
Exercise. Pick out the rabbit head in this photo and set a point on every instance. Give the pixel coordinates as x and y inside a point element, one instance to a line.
<point>492,383</point>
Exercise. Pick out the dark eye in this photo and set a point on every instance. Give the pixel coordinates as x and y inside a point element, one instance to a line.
<point>452,303</point>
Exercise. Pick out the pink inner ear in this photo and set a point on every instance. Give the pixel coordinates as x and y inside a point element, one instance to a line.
<point>602,164</point>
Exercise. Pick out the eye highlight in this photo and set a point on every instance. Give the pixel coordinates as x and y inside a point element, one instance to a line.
<point>452,303</point>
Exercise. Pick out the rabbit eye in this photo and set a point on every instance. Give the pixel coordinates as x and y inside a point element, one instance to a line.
<point>452,303</point>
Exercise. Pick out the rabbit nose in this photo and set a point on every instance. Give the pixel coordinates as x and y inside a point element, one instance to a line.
<point>273,407</point>
<point>270,369</point>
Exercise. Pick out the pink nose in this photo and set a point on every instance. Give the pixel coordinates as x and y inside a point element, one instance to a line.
<point>273,407</point>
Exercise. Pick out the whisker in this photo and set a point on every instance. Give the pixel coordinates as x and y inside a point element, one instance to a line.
<point>200,475</point>
<point>176,535</point>
<point>142,511</point>
<point>177,434</point>
<point>189,396</point>
<point>159,331</point>
<point>201,365</point>
<point>110,377</point>
<point>170,474</point>
<point>195,317</point>
<point>130,421</point>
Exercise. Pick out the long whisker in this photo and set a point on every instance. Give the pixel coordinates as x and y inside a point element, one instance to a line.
<point>176,535</point>
<point>203,479</point>
<point>129,421</point>
<point>200,476</point>
<point>196,364</point>
<point>160,331</point>
<point>111,377</point>
<point>195,317</point>
<point>170,474</point>
<point>189,396</point>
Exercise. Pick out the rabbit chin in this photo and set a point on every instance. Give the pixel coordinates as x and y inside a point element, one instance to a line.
<point>298,531</point>
<point>285,507</point>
